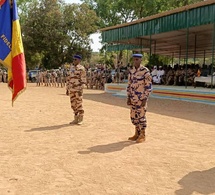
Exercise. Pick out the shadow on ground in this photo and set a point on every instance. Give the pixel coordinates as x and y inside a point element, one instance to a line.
<point>48,128</point>
<point>179,109</point>
<point>202,182</point>
<point>108,148</point>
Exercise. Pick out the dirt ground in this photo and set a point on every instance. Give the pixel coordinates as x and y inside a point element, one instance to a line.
<point>41,154</point>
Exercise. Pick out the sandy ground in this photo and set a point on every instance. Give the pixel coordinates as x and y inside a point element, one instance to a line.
<point>41,154</point>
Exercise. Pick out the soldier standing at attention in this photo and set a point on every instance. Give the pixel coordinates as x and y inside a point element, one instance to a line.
<point>138,90</point>
<point>75,84</point>
<point>1,75</point>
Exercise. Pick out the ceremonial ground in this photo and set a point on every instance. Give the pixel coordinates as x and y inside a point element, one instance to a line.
<point>41,154</point>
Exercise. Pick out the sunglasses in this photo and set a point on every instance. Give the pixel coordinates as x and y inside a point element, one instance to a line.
<point>75,59</point>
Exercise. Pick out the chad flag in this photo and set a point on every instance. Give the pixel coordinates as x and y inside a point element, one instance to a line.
<point>11,47</point>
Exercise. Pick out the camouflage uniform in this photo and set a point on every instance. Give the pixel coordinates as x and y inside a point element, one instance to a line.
<point>190,76</point>
<point>1,75</point>
<point>138,90</point>
<point>178,77</point>
<point>88,82</point>
<point>4,76</point>
<point>75,84</point>
<point>170,76</point>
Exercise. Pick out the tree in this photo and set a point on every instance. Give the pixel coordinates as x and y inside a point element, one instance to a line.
<point>80,22</point>
<point>54,32</point>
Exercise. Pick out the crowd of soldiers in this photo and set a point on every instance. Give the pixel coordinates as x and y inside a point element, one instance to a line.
<point>178,75</point>
<point>51,78</point>
<point>96,77</point>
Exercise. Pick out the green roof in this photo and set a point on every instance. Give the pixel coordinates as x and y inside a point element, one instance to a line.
<point>166,27</point>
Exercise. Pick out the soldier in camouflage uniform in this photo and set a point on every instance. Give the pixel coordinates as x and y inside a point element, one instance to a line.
<point>59,77</point>
<point>88,75</point>
<point>138,90</point>
<point>190,76</point>
<point>4,76</point>
<point>170,76</point>
<point>75,84</point>
<point>1,75</point>
<point>179,76</point>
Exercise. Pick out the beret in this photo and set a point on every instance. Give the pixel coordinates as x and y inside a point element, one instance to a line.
<point>137,55</point>
<point>77,57</point>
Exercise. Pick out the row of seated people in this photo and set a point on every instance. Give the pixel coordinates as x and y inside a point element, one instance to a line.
<point>177,75</point>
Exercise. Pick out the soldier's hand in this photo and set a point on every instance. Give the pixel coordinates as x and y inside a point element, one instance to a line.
<point>143,104</point>
<point>80,93</point>
<point>128,101</point>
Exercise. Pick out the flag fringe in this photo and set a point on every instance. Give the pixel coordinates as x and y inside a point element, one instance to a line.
<point>20,92</point>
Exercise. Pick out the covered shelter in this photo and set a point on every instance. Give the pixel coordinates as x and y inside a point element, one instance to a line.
<point>184,32</point>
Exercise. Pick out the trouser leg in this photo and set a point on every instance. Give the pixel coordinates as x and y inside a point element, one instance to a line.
<point>138,118</point>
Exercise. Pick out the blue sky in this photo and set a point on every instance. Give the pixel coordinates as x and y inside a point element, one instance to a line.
<point>96,45</point>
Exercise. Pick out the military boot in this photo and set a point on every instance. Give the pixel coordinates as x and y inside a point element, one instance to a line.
<point>135,136</point>
<point>80,120</point>
<point>75,121</point>
<point>141,137</point>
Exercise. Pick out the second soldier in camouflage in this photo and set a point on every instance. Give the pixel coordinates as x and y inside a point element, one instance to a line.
<point>138,90</point>
<point>75,84</point>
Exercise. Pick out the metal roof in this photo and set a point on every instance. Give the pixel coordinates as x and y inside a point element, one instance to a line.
<point>167,32</point>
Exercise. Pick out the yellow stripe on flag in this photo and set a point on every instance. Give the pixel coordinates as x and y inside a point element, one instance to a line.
<point>17,46</point>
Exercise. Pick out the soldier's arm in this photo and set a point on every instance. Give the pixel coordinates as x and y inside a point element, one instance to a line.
<point>83,80</point>
<point>148,85</point>
<point>128,90</point>
<point>129,85</point>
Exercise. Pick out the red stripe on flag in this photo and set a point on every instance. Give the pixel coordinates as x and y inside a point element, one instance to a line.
<point>18,82</point>
<point>2,2</point>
